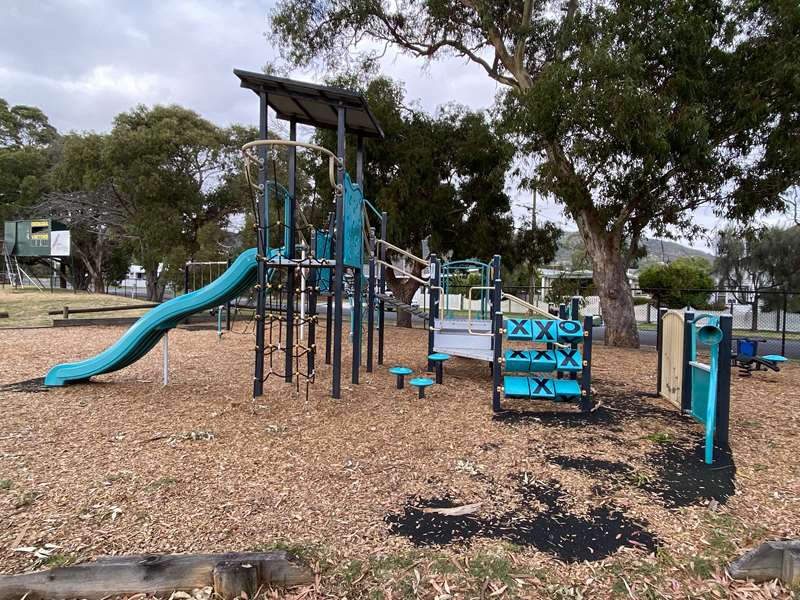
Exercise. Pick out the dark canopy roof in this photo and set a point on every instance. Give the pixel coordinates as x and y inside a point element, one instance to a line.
<point>312,104</point>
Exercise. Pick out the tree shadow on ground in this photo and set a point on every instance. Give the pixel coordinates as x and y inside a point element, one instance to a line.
<point>543,521</point>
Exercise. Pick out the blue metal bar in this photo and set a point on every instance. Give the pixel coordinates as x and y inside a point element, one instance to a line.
<point>290,210</point>
<point>336,385</point>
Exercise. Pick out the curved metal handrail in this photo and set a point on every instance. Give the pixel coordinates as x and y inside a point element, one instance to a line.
<point>403,252</point>
<point>332,158</point>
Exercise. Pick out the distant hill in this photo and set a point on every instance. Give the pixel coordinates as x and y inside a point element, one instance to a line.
<point>657,250</point>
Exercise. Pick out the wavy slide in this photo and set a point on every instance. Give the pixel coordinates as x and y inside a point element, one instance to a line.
<point>145,333</point>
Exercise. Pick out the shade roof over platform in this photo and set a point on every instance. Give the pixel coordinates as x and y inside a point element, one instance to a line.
<point>313,104</point>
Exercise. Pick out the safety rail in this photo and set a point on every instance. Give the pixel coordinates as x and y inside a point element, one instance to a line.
<point>469,310</point>
<point>413,257</point>
<point>531,307</point>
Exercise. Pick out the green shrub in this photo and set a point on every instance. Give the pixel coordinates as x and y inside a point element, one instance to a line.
<point>676,285</point>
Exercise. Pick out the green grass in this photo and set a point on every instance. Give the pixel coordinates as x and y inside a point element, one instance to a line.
<point>28,308</point>
<point>659,437</point>
<point>59,560</point>
<point>6,484</point>
<point>161,482</point>
<point>25,499</point>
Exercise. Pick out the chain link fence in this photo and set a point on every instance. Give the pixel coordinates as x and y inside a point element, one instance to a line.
<point>770,316</point>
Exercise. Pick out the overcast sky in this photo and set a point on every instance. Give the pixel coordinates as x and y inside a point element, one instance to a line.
<point>84,61</point>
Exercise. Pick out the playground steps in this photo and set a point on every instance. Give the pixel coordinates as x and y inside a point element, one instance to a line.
<point>394,302</point>
<point>452,336</point>
<point>515,386</point>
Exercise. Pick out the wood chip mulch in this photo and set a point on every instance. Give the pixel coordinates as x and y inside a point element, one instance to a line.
<point>617,504</point>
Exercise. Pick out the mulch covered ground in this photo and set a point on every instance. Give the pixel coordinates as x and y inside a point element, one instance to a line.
<point>616,504</point>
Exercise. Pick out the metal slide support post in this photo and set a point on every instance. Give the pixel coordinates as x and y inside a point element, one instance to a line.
<point>371,300</point>
<point>497,331</point>
<point>336,386</point>
<point>261,236</point>
<point>686,379</point>
<point>382,288</point>
<point>228,308</point>
<point>165,353</point>
<point>660,347</point>
<point>291,274</point>
<point>433,304</point>
<point>724,382</point>
<point>586,367</point>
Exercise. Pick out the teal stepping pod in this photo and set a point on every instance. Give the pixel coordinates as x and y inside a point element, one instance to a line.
<point>421,383</point>
<point>438,359</point>
<point>401,373</point>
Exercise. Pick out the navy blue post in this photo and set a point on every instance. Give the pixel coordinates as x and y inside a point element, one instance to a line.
<point>497,331</point>
<point>371,300</point>
<point>382,288</point>
<point>358,274</point>
<point>290,251</point>
<point>433,295</point>
<point>586,366</point>
<point>336,386</point>
<point>724,382</point>
<point>261,243</point>
<point>355,315</point>
<point>686,378</point>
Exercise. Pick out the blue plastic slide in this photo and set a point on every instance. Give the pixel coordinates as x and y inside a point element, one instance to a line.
<point>145,333</point>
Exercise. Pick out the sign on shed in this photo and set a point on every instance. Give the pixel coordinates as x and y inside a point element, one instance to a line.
<point>36,237</point>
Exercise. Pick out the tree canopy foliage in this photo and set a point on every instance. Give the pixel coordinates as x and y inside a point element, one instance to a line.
<point>27,141</point>
<point>441,178</point>
<point>636,111</point>
<point>759,259</point>
<point>153,183</point>
<point>684,282</point>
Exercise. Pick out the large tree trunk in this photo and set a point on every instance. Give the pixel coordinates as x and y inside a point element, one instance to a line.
<point>404,289</point>
<point>611,279</point>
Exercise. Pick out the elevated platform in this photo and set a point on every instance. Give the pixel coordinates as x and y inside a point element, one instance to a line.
<point>453,337</point>
<point>543,388</point>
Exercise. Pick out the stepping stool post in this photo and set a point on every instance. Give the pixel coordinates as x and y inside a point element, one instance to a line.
<point>438,358</point>
<point>421,383</point>
<point>401,373</point>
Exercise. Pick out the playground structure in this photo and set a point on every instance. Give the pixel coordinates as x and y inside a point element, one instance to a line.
<point>305,262</point>
<point>44,239</point>
<point>295,265</point>
<point>697,389</point>
<point>748,360</point>
<point>563,342</point>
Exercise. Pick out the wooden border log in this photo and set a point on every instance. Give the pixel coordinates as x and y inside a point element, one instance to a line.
<point>235,579</point>
<point>155,574</point>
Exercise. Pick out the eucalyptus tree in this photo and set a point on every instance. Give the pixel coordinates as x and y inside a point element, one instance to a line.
<point>636,111</point>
